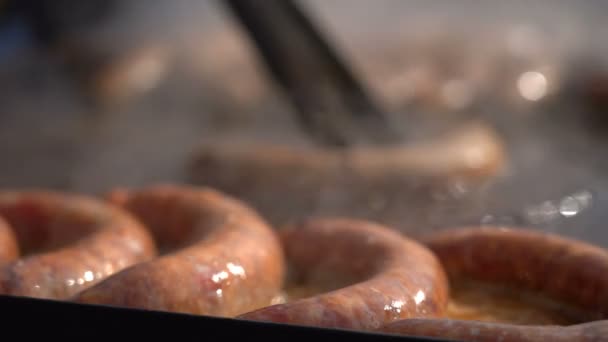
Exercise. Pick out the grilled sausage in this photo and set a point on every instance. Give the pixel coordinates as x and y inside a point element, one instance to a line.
<point>402,186</point>
<point>384,276</point>
<point>9,250</point>
<point>569,271</point>
<point>223,258</point>
<point>73,242</point>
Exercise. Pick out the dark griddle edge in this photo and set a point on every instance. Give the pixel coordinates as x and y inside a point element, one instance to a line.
<point>27,318</point>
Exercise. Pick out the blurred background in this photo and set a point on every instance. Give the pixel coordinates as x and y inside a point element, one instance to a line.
<point>99,94</point>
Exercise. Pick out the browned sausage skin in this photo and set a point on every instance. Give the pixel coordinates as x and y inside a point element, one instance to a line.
<point>390,277</point>
<point>569,271</point>
<point>9,250</point>
<point>476,331</point>
<point>73,242</point>
<point>228,260</point>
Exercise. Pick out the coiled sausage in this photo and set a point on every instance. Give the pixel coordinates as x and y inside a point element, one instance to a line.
<point>224,258</point>
<point>74,241</point>
<point>564,269</point>
<point>389,277</point>
<point>569,271</point>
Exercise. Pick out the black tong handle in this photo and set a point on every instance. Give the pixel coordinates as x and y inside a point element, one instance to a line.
<point>330,102</point>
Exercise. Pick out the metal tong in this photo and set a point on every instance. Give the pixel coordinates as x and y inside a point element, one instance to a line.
<point>331,104</point>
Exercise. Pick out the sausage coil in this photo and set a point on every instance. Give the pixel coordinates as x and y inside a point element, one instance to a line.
<point>570,271</point>
<point>70,242</point>
<point>390,277</point>
<point>223,258</point>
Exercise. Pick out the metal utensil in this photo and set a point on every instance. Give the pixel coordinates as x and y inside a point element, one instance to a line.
<point>331,103</point>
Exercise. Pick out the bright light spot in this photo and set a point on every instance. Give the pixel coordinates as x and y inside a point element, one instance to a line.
<point>279,299</point>
<point>419,297</point>
<point>219,276</point>
<point>572,205</point>
<point>219,293</point>
<point>88,276</point>
<point>237,270</point>
<point>397,304</point>
<point>394,307</point>
<point>569,206</point>
<point>532,85</point>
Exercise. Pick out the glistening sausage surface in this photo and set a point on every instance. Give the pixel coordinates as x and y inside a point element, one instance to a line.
<point>9,250</point>
<point>226,259</point>
<point>569,271</point>
<point>73,242</point>
<point>389,277</point>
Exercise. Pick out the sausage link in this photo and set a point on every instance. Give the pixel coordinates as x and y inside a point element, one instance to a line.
<point>9,250</point>
<point>567,270</point>
<point>476,331</point>
<point>390,277</point>
<point>564,269</point>
<point>73,242</point>
<point>364,182</point>
<point>225,261</point>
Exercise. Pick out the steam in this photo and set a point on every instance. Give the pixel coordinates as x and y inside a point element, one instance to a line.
<point>433,64</point>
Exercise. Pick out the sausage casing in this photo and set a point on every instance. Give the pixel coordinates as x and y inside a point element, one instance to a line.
<point>70,242</point>
<point>225,259</point>
<point>9,250</point>
<point>570,271</point>
<point>388,277</point>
